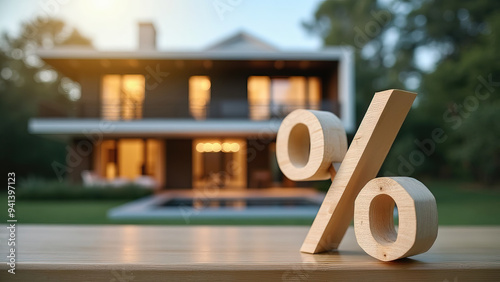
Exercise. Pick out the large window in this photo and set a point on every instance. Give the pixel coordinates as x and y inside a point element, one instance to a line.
<point>278,96</point>
<point>219,163</point>
<point>122,96</point>
<point>199,96</point>
<point>131,158</point>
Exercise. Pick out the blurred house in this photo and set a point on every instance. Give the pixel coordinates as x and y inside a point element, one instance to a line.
<point>192,118</point>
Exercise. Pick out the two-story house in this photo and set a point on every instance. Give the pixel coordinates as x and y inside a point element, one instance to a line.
<point>188,118</point>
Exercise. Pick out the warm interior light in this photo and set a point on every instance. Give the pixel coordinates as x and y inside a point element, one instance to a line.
<point>200,147</point>
<point>205,83</point>
<point>122,96</point>
<point>130,158</point>
<point>314,93</point>
<point>269,96</point>
<point>207,147</point>
<point>235,147</point>
<point>221,159</point>
<point>110,97</point>
<point>216,147</point>
<point>226,147</point>
<point>199,96</point>
<point>110,170</point>
<point>133,88</point>
<point>288,94</point>
<point>259,96</point>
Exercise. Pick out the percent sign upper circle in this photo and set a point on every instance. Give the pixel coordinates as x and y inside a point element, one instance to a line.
<point>309,142</point>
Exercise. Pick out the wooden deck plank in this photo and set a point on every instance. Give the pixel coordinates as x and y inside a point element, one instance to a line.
<point>166,253</point>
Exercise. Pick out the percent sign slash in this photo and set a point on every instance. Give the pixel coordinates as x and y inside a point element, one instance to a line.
<point>310,146</point>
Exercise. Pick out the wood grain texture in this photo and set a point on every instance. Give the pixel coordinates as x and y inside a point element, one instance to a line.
<point>363,160</point>
<point>308,143</point>
<point>374,222</point>
<point>163,253</point>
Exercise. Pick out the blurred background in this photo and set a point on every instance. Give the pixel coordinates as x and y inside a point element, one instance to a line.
<point>446,51</point>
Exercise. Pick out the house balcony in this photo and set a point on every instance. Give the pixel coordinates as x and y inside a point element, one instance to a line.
<point>223,118</point>
<point>215,109</point>
<point>159,127</point>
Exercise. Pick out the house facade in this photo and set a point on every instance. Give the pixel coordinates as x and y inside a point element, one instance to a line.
<point>189,119</point>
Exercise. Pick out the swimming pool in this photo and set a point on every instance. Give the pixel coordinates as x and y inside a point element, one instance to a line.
<point>299,204</point>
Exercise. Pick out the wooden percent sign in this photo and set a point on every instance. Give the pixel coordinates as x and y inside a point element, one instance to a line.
<point>310,146</point>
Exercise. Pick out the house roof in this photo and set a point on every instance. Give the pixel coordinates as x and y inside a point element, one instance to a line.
<point>240,46</point>
<point>241,41</point>
<point>326,54</point>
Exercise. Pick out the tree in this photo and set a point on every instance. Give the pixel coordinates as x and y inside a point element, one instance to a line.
<point>25,81</point>
<point>463,38</point>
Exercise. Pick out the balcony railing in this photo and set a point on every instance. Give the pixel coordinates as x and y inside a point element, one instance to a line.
<point>244,109</point>
<point>234,109</point>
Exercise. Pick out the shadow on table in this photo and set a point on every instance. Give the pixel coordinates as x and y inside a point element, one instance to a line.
<point>352,256</point>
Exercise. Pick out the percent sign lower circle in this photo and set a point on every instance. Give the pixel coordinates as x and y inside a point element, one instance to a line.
<point>311,144</point>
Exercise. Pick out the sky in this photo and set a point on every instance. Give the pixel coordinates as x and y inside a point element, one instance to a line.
<point>187,24</point>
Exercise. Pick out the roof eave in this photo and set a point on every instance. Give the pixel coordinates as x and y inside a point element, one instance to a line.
<point>326,54</point>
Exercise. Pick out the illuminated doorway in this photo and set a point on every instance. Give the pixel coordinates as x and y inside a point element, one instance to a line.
<point>219,163</point>
<point>131,158</point>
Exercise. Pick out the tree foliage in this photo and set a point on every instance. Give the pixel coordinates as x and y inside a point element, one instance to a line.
<point>25,82</point>
<point>458,90</point>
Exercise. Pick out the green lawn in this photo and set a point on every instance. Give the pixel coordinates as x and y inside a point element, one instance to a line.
<point>466,204</point>
<point>458,204</point>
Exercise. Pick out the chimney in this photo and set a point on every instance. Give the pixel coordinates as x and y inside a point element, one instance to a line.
<point>147,36</point>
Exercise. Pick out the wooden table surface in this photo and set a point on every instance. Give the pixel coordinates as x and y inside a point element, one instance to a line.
<point>198,253</point>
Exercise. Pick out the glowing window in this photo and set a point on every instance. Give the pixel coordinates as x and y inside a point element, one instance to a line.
<point>131,158</point>
<point>122,96</point>
<point>219,162</point>
<point>259,93</point>
<point>314,94</point>
<point>279,96</point>
<point>199,96</point>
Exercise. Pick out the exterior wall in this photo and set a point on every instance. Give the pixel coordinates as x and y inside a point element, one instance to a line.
<point>168,97</point>
<point>79,159</point>
<point>179,168</point>
<point>258,167</point>
<point>228,95</point>
<point>89,105</point>
<point>330,86</point>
